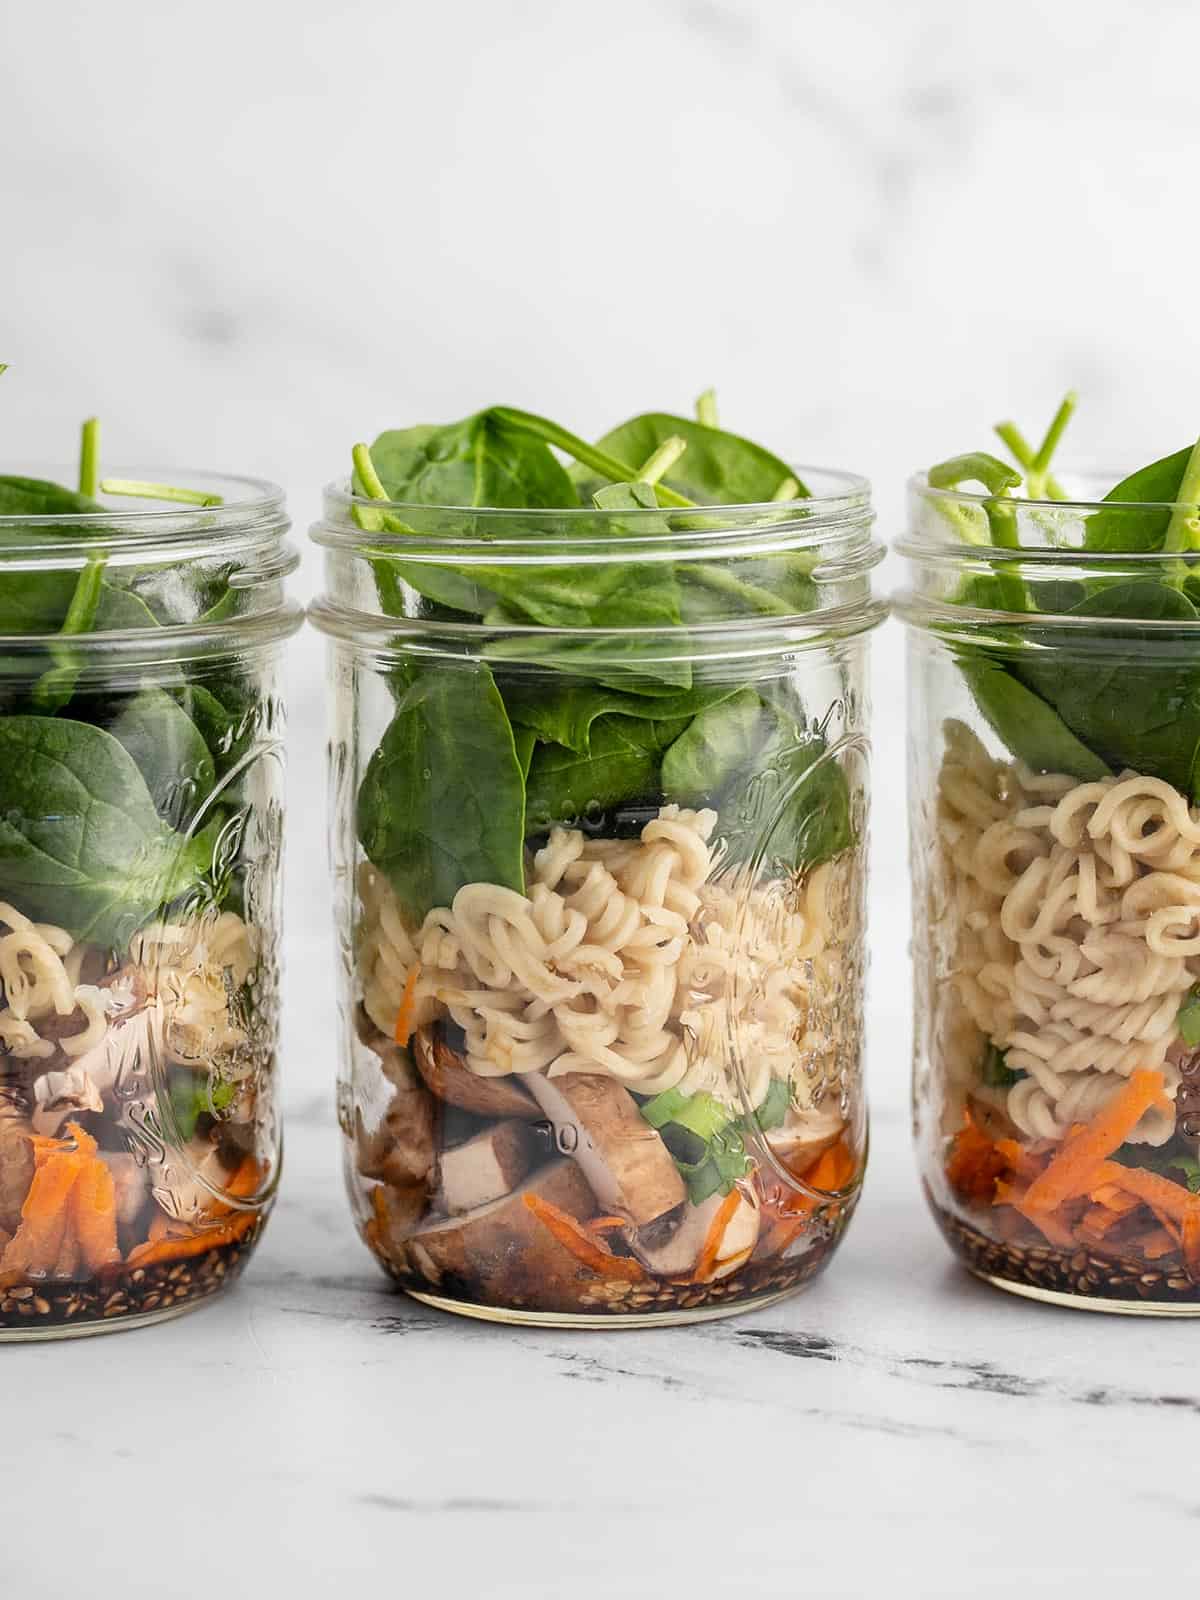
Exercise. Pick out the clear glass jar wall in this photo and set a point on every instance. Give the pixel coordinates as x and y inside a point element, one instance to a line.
<point>600,898</point>
<point>142,813</point>
<point>1056,869</point>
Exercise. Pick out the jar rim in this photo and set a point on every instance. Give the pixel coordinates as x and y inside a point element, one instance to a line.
<point>583,535</point>
<point>918,484</point>
<point>248,506</point>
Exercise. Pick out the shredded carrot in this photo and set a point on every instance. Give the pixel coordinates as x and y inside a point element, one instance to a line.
<point>974,1164</point>
<point>1191,1243</point>
<point>606,1224</point>
<point>833,1169</point>
<point>1170,1200</point>
<point>408,1006</point>
<point>707,1259</point>
<point>1074,1169</point>
<point>94,1216</point>
<point>575,1238</point>
<point>36,1244</point>
<point>67,1264</point>
<point>177,1248</point>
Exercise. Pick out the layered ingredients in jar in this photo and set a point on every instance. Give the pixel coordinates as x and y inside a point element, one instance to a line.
<point>607,959</point>
<point>137,980</point>
<point>1065,909</point>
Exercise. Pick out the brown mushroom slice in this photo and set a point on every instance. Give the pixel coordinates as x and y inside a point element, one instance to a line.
<point>678,1257</point>
<point>503,1252</point>
<point>402,1149</point>
<point>16,1165</point>
<point>63,1094</point>
<point>486,1167</point>
<point>598,1124</point>
<point>449,1077</point>
<point>805,1135</point>
<point>989,1111</point>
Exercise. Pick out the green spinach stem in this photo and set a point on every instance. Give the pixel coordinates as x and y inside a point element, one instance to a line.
<point>1040,483</point>
<point>1183,530</point>
<point>787,489</point>
<point>706,409</point>
<point>586,454</point>
<point>89,458</point>
<point>663,459</point>
<point>135,489</point>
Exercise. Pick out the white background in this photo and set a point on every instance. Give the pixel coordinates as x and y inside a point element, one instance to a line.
<point>248,234</point>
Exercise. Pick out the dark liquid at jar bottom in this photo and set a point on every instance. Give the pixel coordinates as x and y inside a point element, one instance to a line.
<point>600,1297</point>
<point>105,1303</point>
<point>1082,1273</point>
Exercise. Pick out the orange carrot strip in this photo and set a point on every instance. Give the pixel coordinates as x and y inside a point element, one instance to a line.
<point>576,1239</point>
<point>1172,1200</point>
<point>833,1169</point>
<point>195,1244</point>
<point>94,1216</point>
<point>707,1258</point>
<point>408,1005</point>
<point>606,1224</point>
<point>38,1240</point>
<point>1074,1169</point>
<point>1191,1244</point>
<point>67,1264</point>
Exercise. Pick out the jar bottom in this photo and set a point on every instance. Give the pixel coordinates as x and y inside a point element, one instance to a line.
<point>1080,1279</point>
<point>601,1320</point>
<point>136,1299</point>
<point>650,1304</point>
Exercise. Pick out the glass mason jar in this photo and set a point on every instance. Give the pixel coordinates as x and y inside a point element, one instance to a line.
<point>141,730</point>
<point>1054,722</point>
<point>599,802</point>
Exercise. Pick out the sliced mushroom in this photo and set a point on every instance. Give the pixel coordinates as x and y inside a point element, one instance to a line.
<point>449,1077</point>
<point>990,1112</point>
<point>805,1135</point>
<point>131,1182</point>
<point>597,1122</point>
<point>60,1095</point>
<point>189,1181</point>
<point>503,1252</point>
<point>396,1210</point>
<point>680,1255</point>
<point>486,1167</point>
<point>401,1149</point>
<point>16,1164</point>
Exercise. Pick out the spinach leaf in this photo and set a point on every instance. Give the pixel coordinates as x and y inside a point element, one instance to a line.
<point>37,497</point>
<point>1122,530</point>
<point>227,725</point>
<point>564,714</point>
<point>717,468</point>
<point>1027,726</point>
<point>1130,708</point>
<point>195,1095</point>
<point>1187,1019</point>
<point>780,795</point>
<point>442,802</point>
<point>81,844</point>
<point>621,767</point>
<point>170,753</point>
<point>717,744</point>
<point>481,461</point>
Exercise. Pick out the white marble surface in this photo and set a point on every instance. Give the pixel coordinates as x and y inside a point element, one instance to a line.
<point>249,233</point>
